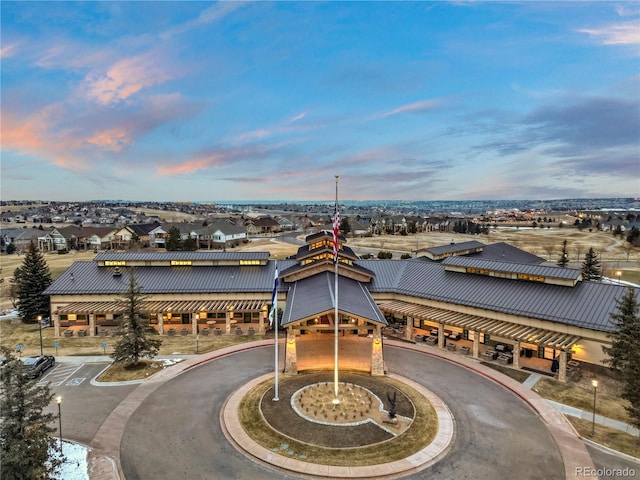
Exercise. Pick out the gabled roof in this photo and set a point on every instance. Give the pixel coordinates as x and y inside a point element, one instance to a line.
<point>503,252</point>
<point>510,267</point>
<point>453,248</point>
<point>316,295</point>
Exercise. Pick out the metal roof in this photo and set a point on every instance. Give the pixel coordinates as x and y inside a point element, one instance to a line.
<point>587,304</point>
<point>453,247</point>
<point>167,256</point>
<point>509,267</point>
<point>316,295</point>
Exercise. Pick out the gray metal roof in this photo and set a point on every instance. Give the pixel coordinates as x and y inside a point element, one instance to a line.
<point>587,304</point>
<point>509,267</point>
<point>316,295</point>
<point>454,247</point>
<point>167,256</point>
<point>503,252</point>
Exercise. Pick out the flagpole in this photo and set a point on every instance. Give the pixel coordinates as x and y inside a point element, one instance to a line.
<point>275,316</point>
<point>335,315</point>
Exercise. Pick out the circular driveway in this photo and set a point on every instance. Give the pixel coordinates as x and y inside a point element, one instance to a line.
<point>176,433</point>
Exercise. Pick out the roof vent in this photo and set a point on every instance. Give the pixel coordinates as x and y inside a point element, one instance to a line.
<point>117,272</point>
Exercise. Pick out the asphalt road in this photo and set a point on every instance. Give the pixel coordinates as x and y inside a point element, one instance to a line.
<point>84,406</point>
<point>176,431</point>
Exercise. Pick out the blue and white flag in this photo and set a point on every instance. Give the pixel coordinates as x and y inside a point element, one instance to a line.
<point>274,299</point>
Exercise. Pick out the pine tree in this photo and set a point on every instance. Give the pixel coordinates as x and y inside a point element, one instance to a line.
<point>32,278</point>
<point>564,255</point>
<point>27,435</point>
<point>174,242</point>
<point>591,266</point>
<point>624,353</point>
<point>134,329</point>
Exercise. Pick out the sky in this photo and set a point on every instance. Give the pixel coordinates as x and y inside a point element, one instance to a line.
<point>217,101</point>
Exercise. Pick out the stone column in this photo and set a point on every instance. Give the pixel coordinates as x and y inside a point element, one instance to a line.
<point>476,344</point>
<point>441,335</point>
<point>92,325</point>
<point>562,369</point>
<point>160,323</point>
<point>263,318</point>
<point>516,355</point>
<point>408,333</point>
<point>56,325</point>
<point>194,323</point>
<point>291,356</point>
<point>229,316</point>
<point>377,359</point>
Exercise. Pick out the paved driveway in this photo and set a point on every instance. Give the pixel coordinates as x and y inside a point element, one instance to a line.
<point>176,433</point>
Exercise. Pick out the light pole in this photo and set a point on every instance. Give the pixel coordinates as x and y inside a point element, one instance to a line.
<point>40,330</point>
<point>594,382</point>
<point>59,402</point>
<point>618,274</point>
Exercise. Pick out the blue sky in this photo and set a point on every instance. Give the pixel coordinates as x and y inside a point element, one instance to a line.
<point>206,101</point>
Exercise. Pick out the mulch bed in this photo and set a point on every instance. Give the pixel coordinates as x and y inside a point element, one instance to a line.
<point>281,416</point>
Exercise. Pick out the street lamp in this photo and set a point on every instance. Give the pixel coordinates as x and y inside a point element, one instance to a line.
<point>59,402</point>
<point>618,274</point>
<point>594,382</point>
<point>40,330</point>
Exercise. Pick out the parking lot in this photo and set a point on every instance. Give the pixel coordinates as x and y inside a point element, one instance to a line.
<point>85,405</point>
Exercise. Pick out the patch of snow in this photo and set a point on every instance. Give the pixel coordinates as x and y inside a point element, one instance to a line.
<point>168,361</point>
<point>76,466</point>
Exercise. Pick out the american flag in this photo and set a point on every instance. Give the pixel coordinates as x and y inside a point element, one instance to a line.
<point>336,232</point>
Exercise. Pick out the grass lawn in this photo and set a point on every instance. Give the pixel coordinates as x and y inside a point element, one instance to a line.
<point>518,375</point>
<point>609,437</point>
<point>12,334</point>
<point>608,402</point>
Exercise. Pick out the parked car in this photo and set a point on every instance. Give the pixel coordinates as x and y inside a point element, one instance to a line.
<point>34,367</point>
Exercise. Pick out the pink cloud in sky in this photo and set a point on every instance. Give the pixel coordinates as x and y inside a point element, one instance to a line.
<point>126,77</point>
<point>416,107</point>
<point>616,34</point>
<point>7,51</point>
<point>114,139</point>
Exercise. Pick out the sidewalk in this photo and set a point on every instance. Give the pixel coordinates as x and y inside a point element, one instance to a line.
<point>583,414</point>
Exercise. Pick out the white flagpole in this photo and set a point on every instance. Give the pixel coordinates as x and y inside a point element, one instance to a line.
<point>275,316</point>
<point>335,314</point>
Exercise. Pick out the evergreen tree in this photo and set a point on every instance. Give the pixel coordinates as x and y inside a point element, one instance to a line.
<point>563,260</point>
<point>189,245</point>
<point>345,226</point>
<point>134,330</point>
<point>624,353</point>
<point>32,278</point>
<point>26,432</point>
<point>591,266</point>
<point>174,243</point>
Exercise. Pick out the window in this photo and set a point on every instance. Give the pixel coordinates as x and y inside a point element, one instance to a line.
<point>115,263</point>
<point>175,263</point>
<point>249,262</point>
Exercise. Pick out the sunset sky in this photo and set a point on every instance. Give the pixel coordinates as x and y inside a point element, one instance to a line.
<point>202,101</point>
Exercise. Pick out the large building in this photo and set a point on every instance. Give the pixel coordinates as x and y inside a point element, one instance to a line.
<point>493,302</point>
